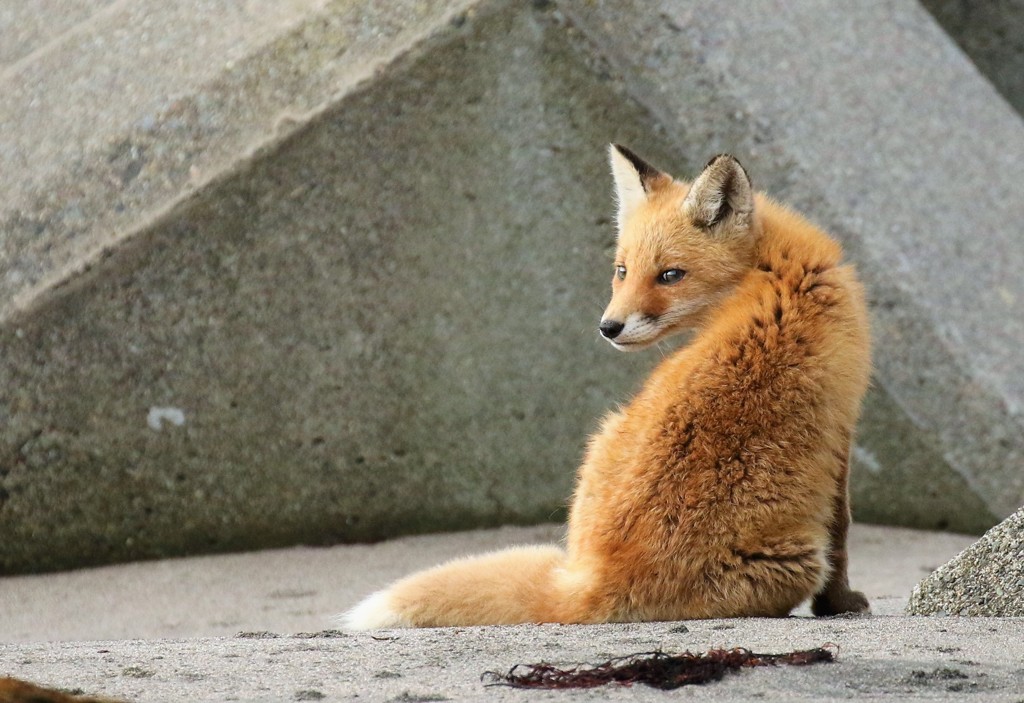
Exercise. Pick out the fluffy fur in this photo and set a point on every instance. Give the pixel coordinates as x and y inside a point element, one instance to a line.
<point>720,490</point>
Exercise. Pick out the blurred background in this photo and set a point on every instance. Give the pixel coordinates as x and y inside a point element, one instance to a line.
<point>327,271</point>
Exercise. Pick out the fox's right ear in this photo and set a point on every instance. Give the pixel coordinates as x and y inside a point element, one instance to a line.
<point>634,179</point>
<point>721,191</point>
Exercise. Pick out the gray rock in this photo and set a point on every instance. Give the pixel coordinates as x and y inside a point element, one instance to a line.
<point>987,578</point>
<point>332,273</point>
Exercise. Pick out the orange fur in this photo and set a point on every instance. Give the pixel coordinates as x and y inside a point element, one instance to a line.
<point>720,490</point>
<point>17,691</point>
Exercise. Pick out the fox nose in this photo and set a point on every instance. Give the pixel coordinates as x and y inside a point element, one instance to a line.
<point>610,329</point>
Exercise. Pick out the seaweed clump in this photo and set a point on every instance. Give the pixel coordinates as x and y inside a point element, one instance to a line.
<point>656,669</point>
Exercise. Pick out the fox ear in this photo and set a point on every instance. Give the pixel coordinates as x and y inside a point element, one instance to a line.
<point>721,190</point>
<point>634,179</point>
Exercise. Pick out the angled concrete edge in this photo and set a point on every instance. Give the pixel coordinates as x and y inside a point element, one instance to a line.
<point>153,124</point>
<point>988,33</point>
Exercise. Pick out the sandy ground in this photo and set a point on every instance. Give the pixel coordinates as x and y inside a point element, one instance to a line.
<point>258,627</point>
<point>302,589</point>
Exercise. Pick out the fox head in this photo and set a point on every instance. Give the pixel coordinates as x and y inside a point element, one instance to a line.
<point>681,247</point>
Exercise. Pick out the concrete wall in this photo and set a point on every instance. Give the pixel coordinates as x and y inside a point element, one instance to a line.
<point>344,283</point>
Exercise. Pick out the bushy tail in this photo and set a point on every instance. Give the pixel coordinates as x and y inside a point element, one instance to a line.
<point>500,588</point>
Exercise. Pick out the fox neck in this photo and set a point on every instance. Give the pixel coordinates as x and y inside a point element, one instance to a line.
<point>784,243</point>
<point>786,240</point>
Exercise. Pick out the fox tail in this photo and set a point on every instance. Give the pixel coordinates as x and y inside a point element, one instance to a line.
<point>506,587</point>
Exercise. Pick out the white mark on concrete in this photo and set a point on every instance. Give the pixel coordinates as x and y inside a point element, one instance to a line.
<point>867,459</point>
<point>156,417</point>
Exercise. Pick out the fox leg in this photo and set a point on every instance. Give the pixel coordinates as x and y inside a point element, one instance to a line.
<point>837,596</point>
<point>506,587</point>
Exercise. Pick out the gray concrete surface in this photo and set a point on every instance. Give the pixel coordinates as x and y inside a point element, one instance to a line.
<point>112,112</point>
<point>28,27</point>
<point>283,601</point>
<point>348,359</point>
<point>987,578</point>
<point>322,275</point>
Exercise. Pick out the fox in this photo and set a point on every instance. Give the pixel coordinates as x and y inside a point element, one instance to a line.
<point>721,489</point>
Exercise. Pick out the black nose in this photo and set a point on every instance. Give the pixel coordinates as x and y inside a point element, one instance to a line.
<point>610,328</point>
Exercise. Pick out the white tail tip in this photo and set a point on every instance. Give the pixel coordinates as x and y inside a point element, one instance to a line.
<point>373,613</point>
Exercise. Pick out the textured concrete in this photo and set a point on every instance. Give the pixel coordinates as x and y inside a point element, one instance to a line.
<point>987,578</point>
<point>137,103</point>
<point>387,325</point>
<point>330,272</point>
<point>270,595</point>
<point>990,33</point>
<point>28,27</point>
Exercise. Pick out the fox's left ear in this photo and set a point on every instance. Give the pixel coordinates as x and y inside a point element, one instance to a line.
<point>635,179</point>
<point>722,191</point>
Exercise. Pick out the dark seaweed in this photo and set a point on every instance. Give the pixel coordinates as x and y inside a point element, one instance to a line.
<point>657,669</point>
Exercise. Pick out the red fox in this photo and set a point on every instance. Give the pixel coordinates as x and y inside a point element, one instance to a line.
<point>720,490</point>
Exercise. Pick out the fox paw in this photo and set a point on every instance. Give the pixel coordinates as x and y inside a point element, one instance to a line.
<point>846,601</point>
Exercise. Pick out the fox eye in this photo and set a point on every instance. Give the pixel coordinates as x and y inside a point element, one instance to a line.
<point>620,272</point>
<point>671,276</point>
